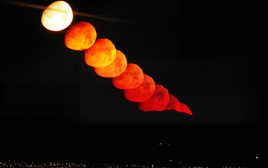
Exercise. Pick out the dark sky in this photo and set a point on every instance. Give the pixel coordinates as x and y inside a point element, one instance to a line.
<point>204,52</point>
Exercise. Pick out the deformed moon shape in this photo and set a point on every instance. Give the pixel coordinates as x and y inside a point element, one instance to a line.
<point>80,36</point>
<point>183,108</point>
<point>57,16</point>
<point>157,102</point>
<point>175,104</point>
<point>116,68</point>
<point>143,92</point>
<point>172,102</point>
<point>101,54</point>
<point>130,79</point>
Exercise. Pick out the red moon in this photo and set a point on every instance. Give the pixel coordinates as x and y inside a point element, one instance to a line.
<point>172,102</point>
<point>116,68</point>
<point>130,79</point>
<point>175,104</point>
<point>143,92</point>
<point>101,54</point>
<point>157,102</point>
<point>183,108</point>
<point>80,36</point>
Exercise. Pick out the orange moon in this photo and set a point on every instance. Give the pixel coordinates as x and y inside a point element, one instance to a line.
<point>130,79</point>
<point>143,92</point>
<point>101,54</point>
<point>116,68</point>
<point>157,102</point>
<point>57,16</point>
<point>80,36</point>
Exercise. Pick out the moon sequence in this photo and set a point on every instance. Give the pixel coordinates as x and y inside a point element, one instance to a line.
<point>108,61</point>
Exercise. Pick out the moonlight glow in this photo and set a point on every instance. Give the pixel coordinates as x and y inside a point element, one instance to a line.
<point>57,16</point>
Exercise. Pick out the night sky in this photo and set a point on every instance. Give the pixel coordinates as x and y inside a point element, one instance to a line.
<point>202,51</point>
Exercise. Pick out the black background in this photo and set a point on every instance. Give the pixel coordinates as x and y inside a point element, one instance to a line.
<point>204,52</point>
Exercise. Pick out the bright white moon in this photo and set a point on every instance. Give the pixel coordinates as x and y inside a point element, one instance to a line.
<point>57,16</point>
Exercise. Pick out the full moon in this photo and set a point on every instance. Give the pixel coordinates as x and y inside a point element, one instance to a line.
<point>57,16</point>
<point>101,54</point>
<point>80,36</point>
